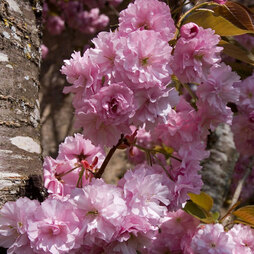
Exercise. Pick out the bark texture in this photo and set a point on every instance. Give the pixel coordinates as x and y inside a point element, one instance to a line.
<point>218,168</point>
<point>20,151</point>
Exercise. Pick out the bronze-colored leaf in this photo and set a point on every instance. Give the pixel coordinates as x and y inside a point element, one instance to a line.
<point>243,222</point>
<point>211,19</point>
<point>226,19</point>
<point>245,214</point>
<point>241,13</point>
<point>224,12</point>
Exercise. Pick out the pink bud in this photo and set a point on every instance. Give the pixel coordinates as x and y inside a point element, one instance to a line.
<point>189,30</point>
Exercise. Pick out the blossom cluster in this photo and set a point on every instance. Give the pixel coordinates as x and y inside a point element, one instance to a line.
<point>83,16</point>
<point>103,218</point>
<point>135,90</point>
<point>124,79</point>
<point>93,218</point>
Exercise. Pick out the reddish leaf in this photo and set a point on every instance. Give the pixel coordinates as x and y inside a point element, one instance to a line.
<point>242,14</point>
<point>245,214</point>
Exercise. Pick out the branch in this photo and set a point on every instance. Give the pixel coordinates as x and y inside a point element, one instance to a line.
<point>108,157</point>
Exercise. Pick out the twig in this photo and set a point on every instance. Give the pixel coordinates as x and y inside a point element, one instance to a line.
<point>165,170</point>
<point>236,196</point>
<point>241,182</point>
<point>193,9</point>
<point>59,176</point>
<point>108,157</point>
<point>154,151</point>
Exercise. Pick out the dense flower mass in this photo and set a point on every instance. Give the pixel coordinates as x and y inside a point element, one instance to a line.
<point>156,90</point>
<point>139,62</point>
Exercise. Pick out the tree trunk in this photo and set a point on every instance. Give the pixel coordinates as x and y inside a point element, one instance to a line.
<point>20,150</point>
<point>218,168</point>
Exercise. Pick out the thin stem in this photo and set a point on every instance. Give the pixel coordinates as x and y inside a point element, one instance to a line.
<point>192,94</point>
<point>67,172</point>
<point>239,187</point>
<point>114,10</point>
<point>167,173</point>
<point>79,183</point>
<point>191,10</point>
<point>179,8</point>
<point>154,151</point>
<point>108,157</point>
<point>229,212</point>
<point>237,193</point>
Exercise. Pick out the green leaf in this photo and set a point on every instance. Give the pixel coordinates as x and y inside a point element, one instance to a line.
<point>198,212</point>
<point>237,52</point>
<point>203,200</point>
<point>245,214</point>
<point>194,210</point>
<point>221,19</point>
<point>216,216</point>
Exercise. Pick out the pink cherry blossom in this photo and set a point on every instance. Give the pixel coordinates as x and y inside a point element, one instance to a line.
<point>76,155</point>
<point>106,115</point>
<point>136,234</point>
<point>102,210</point>
<point>144,61</point>
<point>83,75</point>
<point>212,239</point>
<point>180,126</point>
<point>78,148</point>
<point>104,53</point>
<point>243,239</point>
<point>216,90</point>
<point>195,53</point>
<point>55,227</point>
<point>219,87</point>
<point>144,193</point>
<point>89,22</point>
<point>147,15</point>
<point>152,106</point>
<point>189,30</point>
<point>13,224</point>
<point>143,138</point>
<point>175,229</point>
